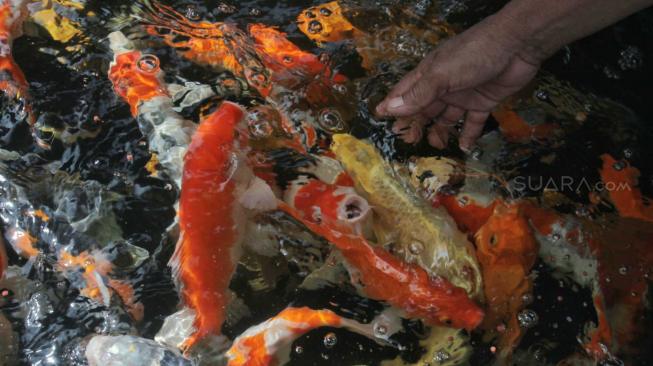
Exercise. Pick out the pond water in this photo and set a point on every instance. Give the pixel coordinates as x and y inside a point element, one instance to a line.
<point>90,189</point>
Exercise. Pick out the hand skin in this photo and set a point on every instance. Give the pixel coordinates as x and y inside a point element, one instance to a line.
<point>467,76</point>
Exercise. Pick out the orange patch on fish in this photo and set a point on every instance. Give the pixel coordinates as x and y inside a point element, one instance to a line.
<point>203,259</point>
<point>22,242</point>
<point>134,81</point>
<point>506,251</point>
<point>406,286</point>
<point>621,183</point>
<point>257,346</point>
<point>326,23</point>
<point>515,129</point>
<point>470,216</point>
<point>200,42</point>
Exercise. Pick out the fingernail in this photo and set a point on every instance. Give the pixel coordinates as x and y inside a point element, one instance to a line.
<point>380,108</point>
<point>395,103</point>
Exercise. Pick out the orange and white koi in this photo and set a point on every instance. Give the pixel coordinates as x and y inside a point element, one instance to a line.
<point>138,79</point>
<point>216,189</point>
<point>263,344</point>
<point>321,202</point>
<point>326,23</point>
<point>407,286</point>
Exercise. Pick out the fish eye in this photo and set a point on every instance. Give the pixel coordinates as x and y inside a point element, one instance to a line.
<point>310,14</point>
<point>493,240</point>
<point>326,12</point>
<point>259,128</point>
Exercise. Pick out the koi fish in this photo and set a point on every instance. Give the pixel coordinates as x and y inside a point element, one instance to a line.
<point>326,23</point>
<point>198,41</point>
<point>506,251</point>
<point>516,129</point>
<point>417,224</point>
<point>216,190</point>
<point>138,79</point>
<point>621,181</point>
<point>406,286</point>
<point>262,345</point>
<point>321,202</point>
<point>13,83</point>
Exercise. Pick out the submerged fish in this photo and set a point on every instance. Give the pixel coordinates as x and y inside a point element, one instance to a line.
<point>407,286</point>
<point>417,225</point>
<point>621,180</point>
<point>268,343</point>
<point>127,350</point>
<point>137,78</point>
<point>506,251</point>
<point>217,187</point>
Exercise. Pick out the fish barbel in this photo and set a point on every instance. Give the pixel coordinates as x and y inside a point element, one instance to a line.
<point>417,224</point>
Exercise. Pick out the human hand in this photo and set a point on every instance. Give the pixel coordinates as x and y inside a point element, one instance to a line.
<point>466,77</point>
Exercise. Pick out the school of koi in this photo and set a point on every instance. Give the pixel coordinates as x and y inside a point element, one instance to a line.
<point>441,241</point>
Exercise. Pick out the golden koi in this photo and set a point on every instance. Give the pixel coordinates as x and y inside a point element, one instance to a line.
<point>417,224</point>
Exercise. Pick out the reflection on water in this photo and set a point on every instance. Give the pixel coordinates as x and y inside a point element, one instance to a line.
<point>552,210</point>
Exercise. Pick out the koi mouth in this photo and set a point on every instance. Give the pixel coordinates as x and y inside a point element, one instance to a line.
<point>353,209</point>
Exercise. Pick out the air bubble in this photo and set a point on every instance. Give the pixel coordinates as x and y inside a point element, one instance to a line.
<point>192,13</point>
<point>416,248</point>
<point>441,357</point>
<point>299,350</point>
<point>331,121</point>
<point>330,340</point>
<point>527,318</point>
<point>623,270</point>
<point>148,63</point>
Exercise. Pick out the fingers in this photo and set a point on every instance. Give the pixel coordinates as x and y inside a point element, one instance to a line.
<point>420,95</point>
<point>410,130</point>
<point>438,135</point>
<point>452,114</point>
<point>472,129</point>
<point>399,89</point>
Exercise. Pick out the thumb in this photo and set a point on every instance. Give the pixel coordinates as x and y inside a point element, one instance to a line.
<point>420,95</point>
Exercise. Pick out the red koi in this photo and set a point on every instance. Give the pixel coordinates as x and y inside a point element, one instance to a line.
<point>136,78</point>
<point>209,220</point>
<point>406,286</point>
<point>260,345</point>
<point>319,202</point>
<point>515,129</point>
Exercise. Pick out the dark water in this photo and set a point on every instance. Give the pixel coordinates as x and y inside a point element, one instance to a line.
<point>76,96</point>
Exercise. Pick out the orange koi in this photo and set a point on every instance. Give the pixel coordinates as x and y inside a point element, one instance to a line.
<point>260,345</point>
<point>209,220</point>
<point>469,216</point>
<point>621,180</point>
<point>506,251</point>
<point>136,78</point>
<point>319,201</point>
<point>326,23</point>
<point>406,286</point>
<point>515,129</point>
<point>200,42</point>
